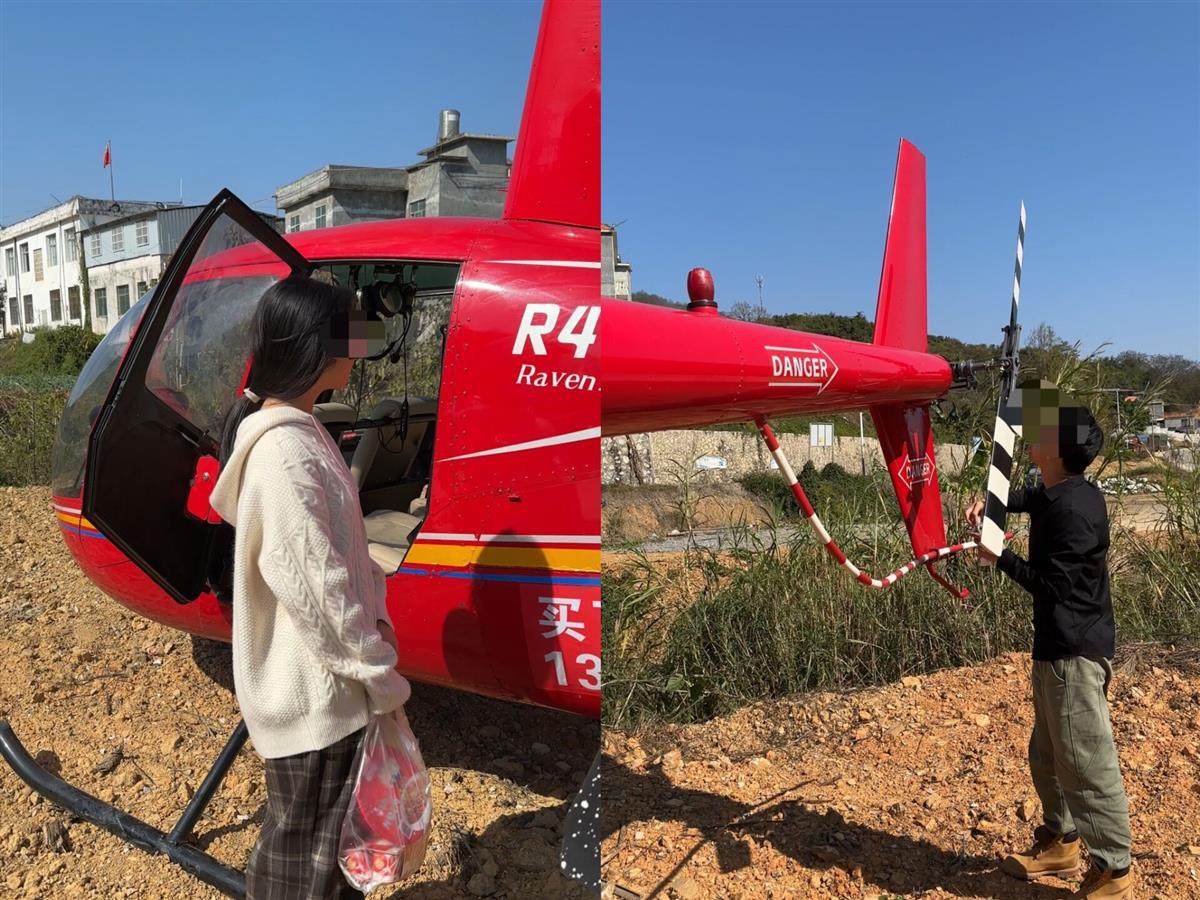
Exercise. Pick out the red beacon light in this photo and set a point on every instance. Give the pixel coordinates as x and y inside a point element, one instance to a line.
<point>701,292</point>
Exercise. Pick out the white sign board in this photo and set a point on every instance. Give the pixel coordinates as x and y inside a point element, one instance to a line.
<point>711,462</point>
<point>820,434</point>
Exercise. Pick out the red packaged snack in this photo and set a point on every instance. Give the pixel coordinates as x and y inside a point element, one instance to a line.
<point>387,823</point>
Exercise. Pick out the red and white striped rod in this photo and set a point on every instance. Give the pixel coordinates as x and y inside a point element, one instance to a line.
<point>925,559</point>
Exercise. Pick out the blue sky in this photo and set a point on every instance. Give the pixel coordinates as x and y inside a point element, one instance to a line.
<point>751,138</point>
<point>761,138</point>
<point>247,96</point>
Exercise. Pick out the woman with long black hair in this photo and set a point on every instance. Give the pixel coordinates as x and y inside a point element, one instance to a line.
<point>314,653</point>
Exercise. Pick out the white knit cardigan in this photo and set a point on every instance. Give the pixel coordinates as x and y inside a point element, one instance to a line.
<point>309,663</point>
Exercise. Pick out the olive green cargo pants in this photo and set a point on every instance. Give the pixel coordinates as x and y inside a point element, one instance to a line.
<point>1073,758</point>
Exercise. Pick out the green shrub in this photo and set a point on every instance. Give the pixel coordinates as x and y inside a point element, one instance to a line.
<point>831,489</point>
<point>30,408</point>
<point>54,351</point>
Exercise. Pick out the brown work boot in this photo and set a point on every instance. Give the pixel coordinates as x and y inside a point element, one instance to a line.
<point>1048,856</point>
<point>1102,883</point>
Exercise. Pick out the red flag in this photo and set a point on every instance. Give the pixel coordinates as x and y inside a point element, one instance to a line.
<point>107,156</point>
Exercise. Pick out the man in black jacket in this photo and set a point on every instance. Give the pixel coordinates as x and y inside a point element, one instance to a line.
<point>1072,757</point>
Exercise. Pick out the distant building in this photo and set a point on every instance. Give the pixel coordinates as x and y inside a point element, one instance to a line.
<point>615,274</point>
<point>125,257</point>
<point>462,174</point>
<point>42,271</point>
<point>1182,419</point>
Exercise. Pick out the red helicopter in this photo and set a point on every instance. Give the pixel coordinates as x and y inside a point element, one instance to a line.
<point>482,502</point>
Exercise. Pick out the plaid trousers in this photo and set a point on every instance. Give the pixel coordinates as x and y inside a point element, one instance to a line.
<point>307,798</point>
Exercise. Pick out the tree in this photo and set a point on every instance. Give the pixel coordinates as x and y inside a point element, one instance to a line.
<point>655,300</point>
<point>747,312</point>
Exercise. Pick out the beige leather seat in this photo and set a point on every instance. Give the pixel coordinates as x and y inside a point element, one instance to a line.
<point>380,458</point>
<point>334,414</point>
<point>380,461</point>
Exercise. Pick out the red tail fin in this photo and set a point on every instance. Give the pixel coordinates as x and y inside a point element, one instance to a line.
<point>905,434</point>
<point>556,170</point>
<point>900,314</point>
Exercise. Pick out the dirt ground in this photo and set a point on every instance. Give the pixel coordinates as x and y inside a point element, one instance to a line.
<point>916,789</point>
<point>81,676</point>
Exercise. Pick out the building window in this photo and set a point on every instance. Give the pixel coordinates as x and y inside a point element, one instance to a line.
<point>101,303</point>
<point>10,262</point>
<point>293,223</point>
<point>319,217</point>
<point>118,239</point>
<point>73,303</point>
<point>14,312</point>
<point>71,248</point>
<point>38,272</point>
<point>24,250</point>
<point>56,306</point>
<point>29,309</point>
<point>51,250</point>
<point>142,234</point>
<point>416,209</point>
<point>122,299</point>
<point>141,288</point>
<point>96,246</point>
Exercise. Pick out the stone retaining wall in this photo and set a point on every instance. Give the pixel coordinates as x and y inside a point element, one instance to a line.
<point>663,457</point>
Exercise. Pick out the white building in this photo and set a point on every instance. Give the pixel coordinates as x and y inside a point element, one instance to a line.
<point>126,257</point>
<point>42,262</point>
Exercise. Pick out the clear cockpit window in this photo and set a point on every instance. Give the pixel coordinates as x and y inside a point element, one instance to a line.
<point>201,354</point>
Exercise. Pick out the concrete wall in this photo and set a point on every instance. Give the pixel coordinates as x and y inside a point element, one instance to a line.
<point>425,184</point>
<point>472,193</point>
<point>130,272</point>
<point>367,206</point>
<point>663,456</point>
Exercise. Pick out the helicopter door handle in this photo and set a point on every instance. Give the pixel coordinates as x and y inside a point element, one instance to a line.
<point>200,489</point>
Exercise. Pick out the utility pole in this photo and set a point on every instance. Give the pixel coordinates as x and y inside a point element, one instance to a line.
<point>1118,393</point>
<point>862,448</point>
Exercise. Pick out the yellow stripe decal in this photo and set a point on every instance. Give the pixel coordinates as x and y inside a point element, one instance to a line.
<point>463,555</point>
<point>75,520</point>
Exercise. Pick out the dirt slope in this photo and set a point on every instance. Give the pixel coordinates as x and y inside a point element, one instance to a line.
<point>80,676</point>
<point>916,789</point>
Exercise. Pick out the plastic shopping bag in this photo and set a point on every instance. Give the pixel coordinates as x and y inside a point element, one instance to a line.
<point>387,823</point>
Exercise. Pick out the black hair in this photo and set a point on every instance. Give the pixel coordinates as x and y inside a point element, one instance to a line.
<point>1079,438</point>
<point>288,346</point>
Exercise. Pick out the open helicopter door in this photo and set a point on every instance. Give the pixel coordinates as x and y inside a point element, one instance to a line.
<point>151,458</point>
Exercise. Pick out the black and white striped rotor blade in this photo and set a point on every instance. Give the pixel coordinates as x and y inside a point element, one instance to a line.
<point>1008,421</point>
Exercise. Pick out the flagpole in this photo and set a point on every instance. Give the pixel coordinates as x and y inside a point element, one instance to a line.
<point>112,193</point>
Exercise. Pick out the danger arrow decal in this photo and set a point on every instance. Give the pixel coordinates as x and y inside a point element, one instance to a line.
<point>808,367</point>
<point>915,471</point>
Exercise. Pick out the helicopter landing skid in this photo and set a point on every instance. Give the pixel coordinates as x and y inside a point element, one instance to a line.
<point>208,869</point>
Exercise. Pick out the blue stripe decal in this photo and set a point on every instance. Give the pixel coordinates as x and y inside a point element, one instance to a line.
<point>519,579</point>
<point>79,531</point>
